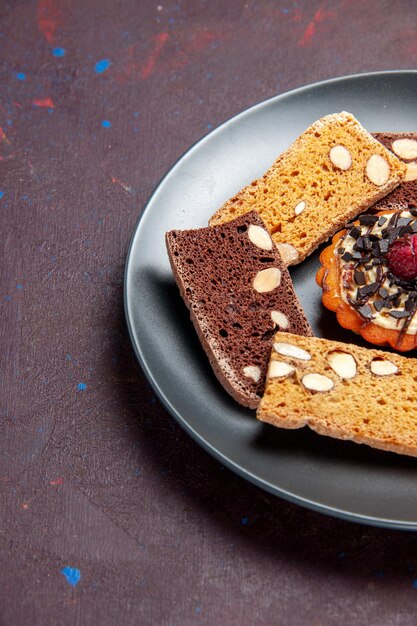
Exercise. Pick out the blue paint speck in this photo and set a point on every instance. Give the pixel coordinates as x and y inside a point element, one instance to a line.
<point>138,472</point>
<point>19,286</point>
<point>136,113</point>
<point>7,298</point>
<point>1,194</point>
<point>244,521</point>
<point>415,583</point>
<point>106,124</point>
<point>58,52</point>
<point>81,386</point>
<point>20,76</point>
<point>68,357</point>
<point>40,429</point>
<point>198,610</point>
<point>72,574</point>
<point>102,66</point>
<point>209,126</point>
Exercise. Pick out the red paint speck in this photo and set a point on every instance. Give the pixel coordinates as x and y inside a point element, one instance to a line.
<point>158,42</point>
<point>307,36</point>
<point>320,15</point>
<point>44,102</point>
<point>49,19</point>
<point>56,482</point>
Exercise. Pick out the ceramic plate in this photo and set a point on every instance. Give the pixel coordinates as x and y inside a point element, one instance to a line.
<point>335,477</point>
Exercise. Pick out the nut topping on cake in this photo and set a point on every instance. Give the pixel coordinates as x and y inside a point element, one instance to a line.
<point>342,363</point>
<point>279,368</point>
<point>280,319</point>
<point>300,207</point>
<point>288,349</point>
<point>253,372</point>
<point>377,170</point>
<point>340,157</point>
<point>267,280</point>
<point>288,253</point>
<point>380,367</point>
<point>405,148</point>
<point>317,382</point>
<point>411,172</point>
<point>260,237</point>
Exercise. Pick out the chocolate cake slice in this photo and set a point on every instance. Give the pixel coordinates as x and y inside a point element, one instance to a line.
<point>239,293</point>
<point>404,146</point>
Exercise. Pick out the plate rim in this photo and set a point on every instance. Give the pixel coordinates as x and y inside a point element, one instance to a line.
<point>351,516</point>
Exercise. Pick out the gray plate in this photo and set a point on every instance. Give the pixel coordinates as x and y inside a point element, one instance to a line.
<point>339,478</point>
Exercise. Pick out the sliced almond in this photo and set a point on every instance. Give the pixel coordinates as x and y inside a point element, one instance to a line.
<point>377,170</point>
<point>405,148</point>
<point>380,367</point>
<point>317,382</point>
<point>280,319</point>
<point>411,172</point>
<point>342,363</point>
<point>252,371</point>
<point>279,368</point>
<point>267,280</point>
<point>260,237</point>
<point>300,207</point>
<point>340,157</point>
<point>288,253</point>
<point>288,349</point>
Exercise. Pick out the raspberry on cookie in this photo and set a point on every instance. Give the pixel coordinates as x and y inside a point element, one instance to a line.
<point>369,278</point>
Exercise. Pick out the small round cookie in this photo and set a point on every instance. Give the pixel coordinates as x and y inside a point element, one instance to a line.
<point>369,278</point>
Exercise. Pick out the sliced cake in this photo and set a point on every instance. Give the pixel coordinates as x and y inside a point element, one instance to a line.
<point>238,292</point>
<point>343,391</point>
<point>404,145</point>
<point>332,172</point>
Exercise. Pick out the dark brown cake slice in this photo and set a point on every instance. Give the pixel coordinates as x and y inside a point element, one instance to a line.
<point>239,293</point>
<point>404,146</point>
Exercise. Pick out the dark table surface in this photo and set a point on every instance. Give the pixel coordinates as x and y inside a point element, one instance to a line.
<point>109,512</point>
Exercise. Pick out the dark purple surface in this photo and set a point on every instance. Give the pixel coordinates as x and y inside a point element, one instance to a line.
<point>109,512</point>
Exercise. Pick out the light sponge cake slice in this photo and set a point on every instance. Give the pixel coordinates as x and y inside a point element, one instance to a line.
<point>239,293</point>
<point>332,172</point>
<point>343,391</point>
